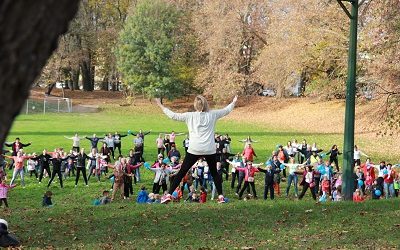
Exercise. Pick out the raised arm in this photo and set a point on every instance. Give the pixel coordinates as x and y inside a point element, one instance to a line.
<point>69,138</point>
<point>225,111</point>
<point>174,116</point>
<point>26,145</point>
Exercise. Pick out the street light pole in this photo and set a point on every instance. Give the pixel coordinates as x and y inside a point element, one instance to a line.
<point>348,148</point>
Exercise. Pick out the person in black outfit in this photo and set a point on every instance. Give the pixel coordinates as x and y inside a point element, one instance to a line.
<point>117,141</point>
<point>57,161</point>
<point>334,152</point>
<point>44,163</point>
<point>303,152</point>
<point>222,157</point>
<point>268,181</point>
<point>7,239</point>
<point>241,176</point>
<point>81,166</point>
<point>94,141</point>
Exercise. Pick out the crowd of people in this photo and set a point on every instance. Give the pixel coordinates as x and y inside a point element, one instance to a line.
<point>319,172</point>
<point>208,160</point>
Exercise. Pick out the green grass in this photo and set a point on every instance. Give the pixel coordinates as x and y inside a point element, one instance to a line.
<point>282,223</point>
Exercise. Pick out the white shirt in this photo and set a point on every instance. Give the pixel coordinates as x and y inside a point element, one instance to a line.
<point>357,154</point>
<point>201,126</point>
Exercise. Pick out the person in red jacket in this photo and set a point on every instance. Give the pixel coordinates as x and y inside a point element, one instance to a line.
<point>203,195</point>
<point>249,153</point>
<point>357,196</point>
<point>325,186</point>
<point>368,167</point>
<point>389,175</point>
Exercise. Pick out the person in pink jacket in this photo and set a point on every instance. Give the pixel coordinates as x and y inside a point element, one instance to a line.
<point>3,192</point>
<point>249,153</point>
<point>249,171</point>
<point>19,166</point>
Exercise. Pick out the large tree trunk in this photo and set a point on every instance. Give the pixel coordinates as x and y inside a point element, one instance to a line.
<point>86,75</point>
<point>75,78</point>
<point>104,83</point>
<point>29,32</point>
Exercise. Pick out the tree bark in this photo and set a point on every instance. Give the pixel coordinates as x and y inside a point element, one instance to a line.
<point>75,78</point>
<point>104,83</point>
<point>29,32</point>
<point>86,75</point>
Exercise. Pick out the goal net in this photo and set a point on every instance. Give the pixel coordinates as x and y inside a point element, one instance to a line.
<point>47,105</point>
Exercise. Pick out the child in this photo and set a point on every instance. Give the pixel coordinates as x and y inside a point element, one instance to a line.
<point>150,198</point>
<point>325,186</point>
<point>368,182</point>
<point>194,198</point>
<point>268,181</point>
<point>47,199</point>
<point>157,198</point>
<point>357,196</point>
<point>32,166</point>
<point>397,185</point>
<point>3,192</point>
<point>337,194</point>
<point>190,195</point>
<point>249,171</point>
<point>106,198</point>
<point>203,195</point>
<point>374,192</point>
<point>143,196</point>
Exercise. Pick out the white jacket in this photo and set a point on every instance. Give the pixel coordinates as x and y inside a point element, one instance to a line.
<point>201,126</point>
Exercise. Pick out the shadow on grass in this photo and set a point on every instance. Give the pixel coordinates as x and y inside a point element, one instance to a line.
<point>259,224</point>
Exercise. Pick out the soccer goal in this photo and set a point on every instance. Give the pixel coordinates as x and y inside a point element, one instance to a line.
<point>48,105</point>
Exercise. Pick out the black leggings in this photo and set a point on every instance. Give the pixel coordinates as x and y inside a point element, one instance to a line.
<point>305,187</point>
<point>269,187</point>
<point>78,171</point>
<point>245,186</point>
<point>233,179</point>
<point>117,146</point>
<point>47,168</point>
<point>335,160</point>
<point>128,188</point>
<point>160,151</point>
<point>56,171</point>
<point>112,152</point>
<point>156,187</point>
<point>189,161</point>
<point>240,181</point>
<point>33,172</point>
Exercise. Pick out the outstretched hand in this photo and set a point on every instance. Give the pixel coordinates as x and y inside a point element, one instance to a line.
<point>235,99</point>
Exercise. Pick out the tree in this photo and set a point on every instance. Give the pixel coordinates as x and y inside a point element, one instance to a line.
<point>87,48</point>
<point>231,34</point>
<point>149,51</point>
<point>29,33</point>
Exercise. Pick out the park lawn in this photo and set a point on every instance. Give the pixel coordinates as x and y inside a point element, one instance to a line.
<point>75,223</point>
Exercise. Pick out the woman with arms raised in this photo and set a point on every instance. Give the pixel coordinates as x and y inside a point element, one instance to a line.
<point>201,126</point>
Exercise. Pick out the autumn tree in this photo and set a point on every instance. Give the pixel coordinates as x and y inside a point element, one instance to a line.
<point>151,53</point>
<point>231,34</point>
<point>86,51</point>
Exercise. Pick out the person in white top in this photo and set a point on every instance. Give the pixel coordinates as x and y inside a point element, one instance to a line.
<point>201,126</point>
<point>75,142</point>
<point>357,156</point>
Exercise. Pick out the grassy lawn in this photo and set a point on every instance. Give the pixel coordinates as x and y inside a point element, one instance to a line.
<point>282,223</point>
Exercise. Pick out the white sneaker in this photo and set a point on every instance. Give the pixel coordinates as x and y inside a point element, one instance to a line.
<point>76,185</point>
